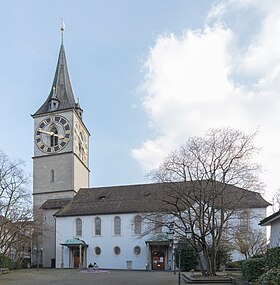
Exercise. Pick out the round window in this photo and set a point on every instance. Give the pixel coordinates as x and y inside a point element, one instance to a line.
<point>117,250</point>
<point>97,250</point>
<point>137,250</point>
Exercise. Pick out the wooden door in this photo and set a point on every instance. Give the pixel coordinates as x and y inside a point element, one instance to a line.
<point>76,259</point>
<point>155,260</point>
<point>158,260</point>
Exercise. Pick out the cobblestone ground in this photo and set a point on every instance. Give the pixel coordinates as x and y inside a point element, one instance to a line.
<point>73,276</point>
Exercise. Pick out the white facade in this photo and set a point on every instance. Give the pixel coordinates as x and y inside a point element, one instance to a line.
<point>275,233</point>
<point>250,222</point>
<point>274,222</point>
<point>128,242</point>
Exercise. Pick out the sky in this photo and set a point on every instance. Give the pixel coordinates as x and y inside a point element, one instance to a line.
<point>149,74</point>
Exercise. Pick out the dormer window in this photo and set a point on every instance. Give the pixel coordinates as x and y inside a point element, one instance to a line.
<point>102,197</point>
<point>53,101</point>
<point>53,104</point>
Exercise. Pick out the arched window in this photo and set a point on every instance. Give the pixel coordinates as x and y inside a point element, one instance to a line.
<point>244,220</point>
<point>97,226</point>
<point>137,225</point>
<point>79,227</point>
<point>54,139</point>
<point>52,175</point>
<point>158,224</point>
<point>117,225</point>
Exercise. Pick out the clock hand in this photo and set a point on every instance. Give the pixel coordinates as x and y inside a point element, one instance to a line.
<point>45,132</point>
<point>61,137</point>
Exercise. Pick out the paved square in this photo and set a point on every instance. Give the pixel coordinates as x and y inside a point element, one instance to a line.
<point>74,276</point>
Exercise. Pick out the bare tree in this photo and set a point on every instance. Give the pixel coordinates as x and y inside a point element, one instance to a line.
<point>15,206</point>
<point>250,242</point>
<point>204,182</point>
<point>276,201</point>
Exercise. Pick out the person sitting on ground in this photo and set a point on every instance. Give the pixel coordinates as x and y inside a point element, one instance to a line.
<point>95,266</point>
<point>90,266</point>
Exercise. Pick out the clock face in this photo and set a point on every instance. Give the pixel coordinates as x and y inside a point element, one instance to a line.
<point>52,134</point>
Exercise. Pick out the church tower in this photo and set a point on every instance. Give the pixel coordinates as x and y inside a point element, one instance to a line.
<point>60,162</point>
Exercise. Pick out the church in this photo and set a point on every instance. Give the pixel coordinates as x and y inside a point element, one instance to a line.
<point>83,225</point>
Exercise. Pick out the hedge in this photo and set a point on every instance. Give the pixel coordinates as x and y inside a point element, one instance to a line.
<point>252,269</point>
<point>273,257</point>
<point>271,277</point>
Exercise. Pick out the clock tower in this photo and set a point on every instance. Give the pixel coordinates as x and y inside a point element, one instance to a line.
<point>60,162</point>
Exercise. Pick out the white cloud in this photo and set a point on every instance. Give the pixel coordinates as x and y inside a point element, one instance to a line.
<point>198,81</point>
<point>263,52</point>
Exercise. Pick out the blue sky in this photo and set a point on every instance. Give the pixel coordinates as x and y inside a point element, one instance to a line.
<point>149,74</point>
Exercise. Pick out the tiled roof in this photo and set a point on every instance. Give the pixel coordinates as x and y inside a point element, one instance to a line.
<point>55,203</point>
<point>147,198</point>
<point>267,221</point>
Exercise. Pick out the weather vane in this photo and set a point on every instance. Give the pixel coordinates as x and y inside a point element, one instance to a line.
<point>62,29</point>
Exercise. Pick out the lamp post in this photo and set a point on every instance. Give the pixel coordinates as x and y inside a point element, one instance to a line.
<point>39,253</point>
<point>170,235</point>
<point>179,267</point>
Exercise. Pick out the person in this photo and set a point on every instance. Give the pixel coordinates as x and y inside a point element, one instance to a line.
<point>90,266</point>
<point>95,266</point>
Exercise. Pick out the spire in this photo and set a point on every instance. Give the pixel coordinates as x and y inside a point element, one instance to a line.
<point>61,90</point>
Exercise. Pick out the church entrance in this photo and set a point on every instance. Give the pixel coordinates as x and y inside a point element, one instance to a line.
<point>77,253</point>
<point>158,260</point>
<point>159,254</point>
<point>77,259</point>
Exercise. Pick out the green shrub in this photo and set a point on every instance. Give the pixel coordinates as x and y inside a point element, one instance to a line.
<point>252,269</point>
<point>273,257</point>
<point>271,277</point>
<point>234,264</point>
<point>6,262</point>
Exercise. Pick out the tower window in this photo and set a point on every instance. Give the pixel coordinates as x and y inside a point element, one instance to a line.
<point>54,139</point>
<point>52,175</point>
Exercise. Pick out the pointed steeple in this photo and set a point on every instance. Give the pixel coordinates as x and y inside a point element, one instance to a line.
<point>61,95</point>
